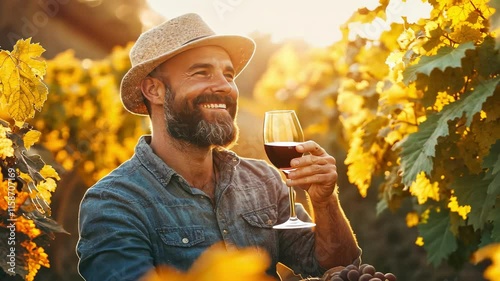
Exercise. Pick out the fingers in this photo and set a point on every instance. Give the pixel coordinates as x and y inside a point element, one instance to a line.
<point>311,147</point>
<point>317,155</point>
<point>315,168</point>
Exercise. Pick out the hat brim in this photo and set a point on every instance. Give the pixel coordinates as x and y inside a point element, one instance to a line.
<point>239,48</point>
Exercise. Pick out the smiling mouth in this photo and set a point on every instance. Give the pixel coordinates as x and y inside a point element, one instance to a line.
<point>214,105</point>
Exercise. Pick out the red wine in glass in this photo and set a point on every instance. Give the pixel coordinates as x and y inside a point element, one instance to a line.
<point>282,134</point>
<point>281,153</point>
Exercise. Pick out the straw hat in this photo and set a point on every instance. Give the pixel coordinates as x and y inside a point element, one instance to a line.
<point>168,39</point>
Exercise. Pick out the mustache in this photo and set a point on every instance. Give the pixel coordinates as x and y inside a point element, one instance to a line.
<point>214,98</point>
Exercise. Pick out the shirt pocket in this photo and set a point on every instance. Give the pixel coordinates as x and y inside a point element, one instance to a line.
<point>187,236</point>
<point>263,218</point>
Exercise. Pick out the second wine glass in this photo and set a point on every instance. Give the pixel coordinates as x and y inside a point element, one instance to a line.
<point>282,134</point>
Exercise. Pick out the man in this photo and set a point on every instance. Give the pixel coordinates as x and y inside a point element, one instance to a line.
<point>183,191</point>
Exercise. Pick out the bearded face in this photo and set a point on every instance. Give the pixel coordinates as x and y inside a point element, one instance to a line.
<point>207,120</point>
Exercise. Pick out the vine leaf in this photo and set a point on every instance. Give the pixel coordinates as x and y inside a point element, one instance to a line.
<point>22,89</point>
<point>495,218</point>
<point>445,57</point>
<point>471,190</point>
<point>492,163</point>
<point>419,148</point>
<point>31,137</point>
<point>438,238</point>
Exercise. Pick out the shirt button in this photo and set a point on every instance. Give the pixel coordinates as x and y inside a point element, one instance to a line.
<point>225,231</point>
<point>185,240</point>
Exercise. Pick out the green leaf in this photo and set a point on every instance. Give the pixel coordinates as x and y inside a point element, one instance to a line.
<point>371,130</point>
<point>439,241</point>
<point>445,57</point>
<point>472,190</point>
<point>492,160</point>
<point>420,147</point>
<point>381,206</point>
<point>492,163</point>
<point>30,164</point>
<point>495,218</point>
<point>47,224</point>
<point>494,186</point>
<point>489,58</point>
<point>451,81</point>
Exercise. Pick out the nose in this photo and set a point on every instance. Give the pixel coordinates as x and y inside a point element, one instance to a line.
<point>222,84</point>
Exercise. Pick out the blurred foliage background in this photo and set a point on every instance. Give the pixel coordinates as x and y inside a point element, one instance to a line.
<point>86,132</point>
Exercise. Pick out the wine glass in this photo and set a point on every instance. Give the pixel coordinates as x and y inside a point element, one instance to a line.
<point>282,133</point>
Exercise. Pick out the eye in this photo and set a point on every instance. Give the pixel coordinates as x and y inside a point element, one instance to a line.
<point>201,73</point>
<point>229,76</point>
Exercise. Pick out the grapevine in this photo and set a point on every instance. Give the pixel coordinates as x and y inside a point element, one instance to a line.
<point>418,110</point>
<point>26,181</point>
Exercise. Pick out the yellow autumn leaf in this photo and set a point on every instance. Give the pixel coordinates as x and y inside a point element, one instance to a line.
<point>491,252</point>
<point>6,145</point>
<point>419,241</point>
<point>412,219</point>
<point>361,164</point>
<point>219,263</point>
<point>462,211</point>
<point>465,32</point>
<point>423,189</point>
<point>45,189</point>
<point>22,72</point>
<point>30,138</point>
<point>49,172</point>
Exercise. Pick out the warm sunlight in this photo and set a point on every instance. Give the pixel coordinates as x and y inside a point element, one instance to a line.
<point>317,22</point>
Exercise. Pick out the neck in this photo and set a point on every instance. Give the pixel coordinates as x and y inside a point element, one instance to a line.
<point>193,163</point>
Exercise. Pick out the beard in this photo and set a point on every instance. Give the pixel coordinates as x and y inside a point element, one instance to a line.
<point>186,122</point>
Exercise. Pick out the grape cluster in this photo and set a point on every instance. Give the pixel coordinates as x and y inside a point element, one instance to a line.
<point>364,272</point>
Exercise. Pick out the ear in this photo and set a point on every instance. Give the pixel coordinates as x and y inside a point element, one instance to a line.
<point>153,89</point>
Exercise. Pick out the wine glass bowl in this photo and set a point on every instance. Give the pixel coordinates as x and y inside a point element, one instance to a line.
<point>282,134</point>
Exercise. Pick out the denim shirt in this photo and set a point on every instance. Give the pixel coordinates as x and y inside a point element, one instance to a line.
<point>143,214</point>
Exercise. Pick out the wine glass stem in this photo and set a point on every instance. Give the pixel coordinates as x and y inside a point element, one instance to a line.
<point>293,215</point>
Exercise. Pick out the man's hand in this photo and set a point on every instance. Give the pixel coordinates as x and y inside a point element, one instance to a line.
<point>315,172</point>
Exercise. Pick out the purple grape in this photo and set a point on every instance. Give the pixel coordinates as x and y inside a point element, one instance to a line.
<point>343,273</point>
<point>390,277</point>
<point>365,277</point>
<point>353,275</point>
<point>361,267</point>
<point>369,269</point>
<point>351,266</point>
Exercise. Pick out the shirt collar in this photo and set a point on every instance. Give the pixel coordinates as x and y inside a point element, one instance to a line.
<point>224,160</point>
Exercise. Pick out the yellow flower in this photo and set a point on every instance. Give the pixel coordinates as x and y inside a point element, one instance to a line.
<point>423,189</point>
<point>412,219</point>
<point>419,241</point>
<point>20,197</point>
<point>491,252</point>
<point>461,210</point>
<point>35,258</point>
<point>6,149</point>
<point>28,227</point>
<point>219,263</point>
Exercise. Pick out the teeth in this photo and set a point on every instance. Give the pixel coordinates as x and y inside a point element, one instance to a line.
<point>214,105</point>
